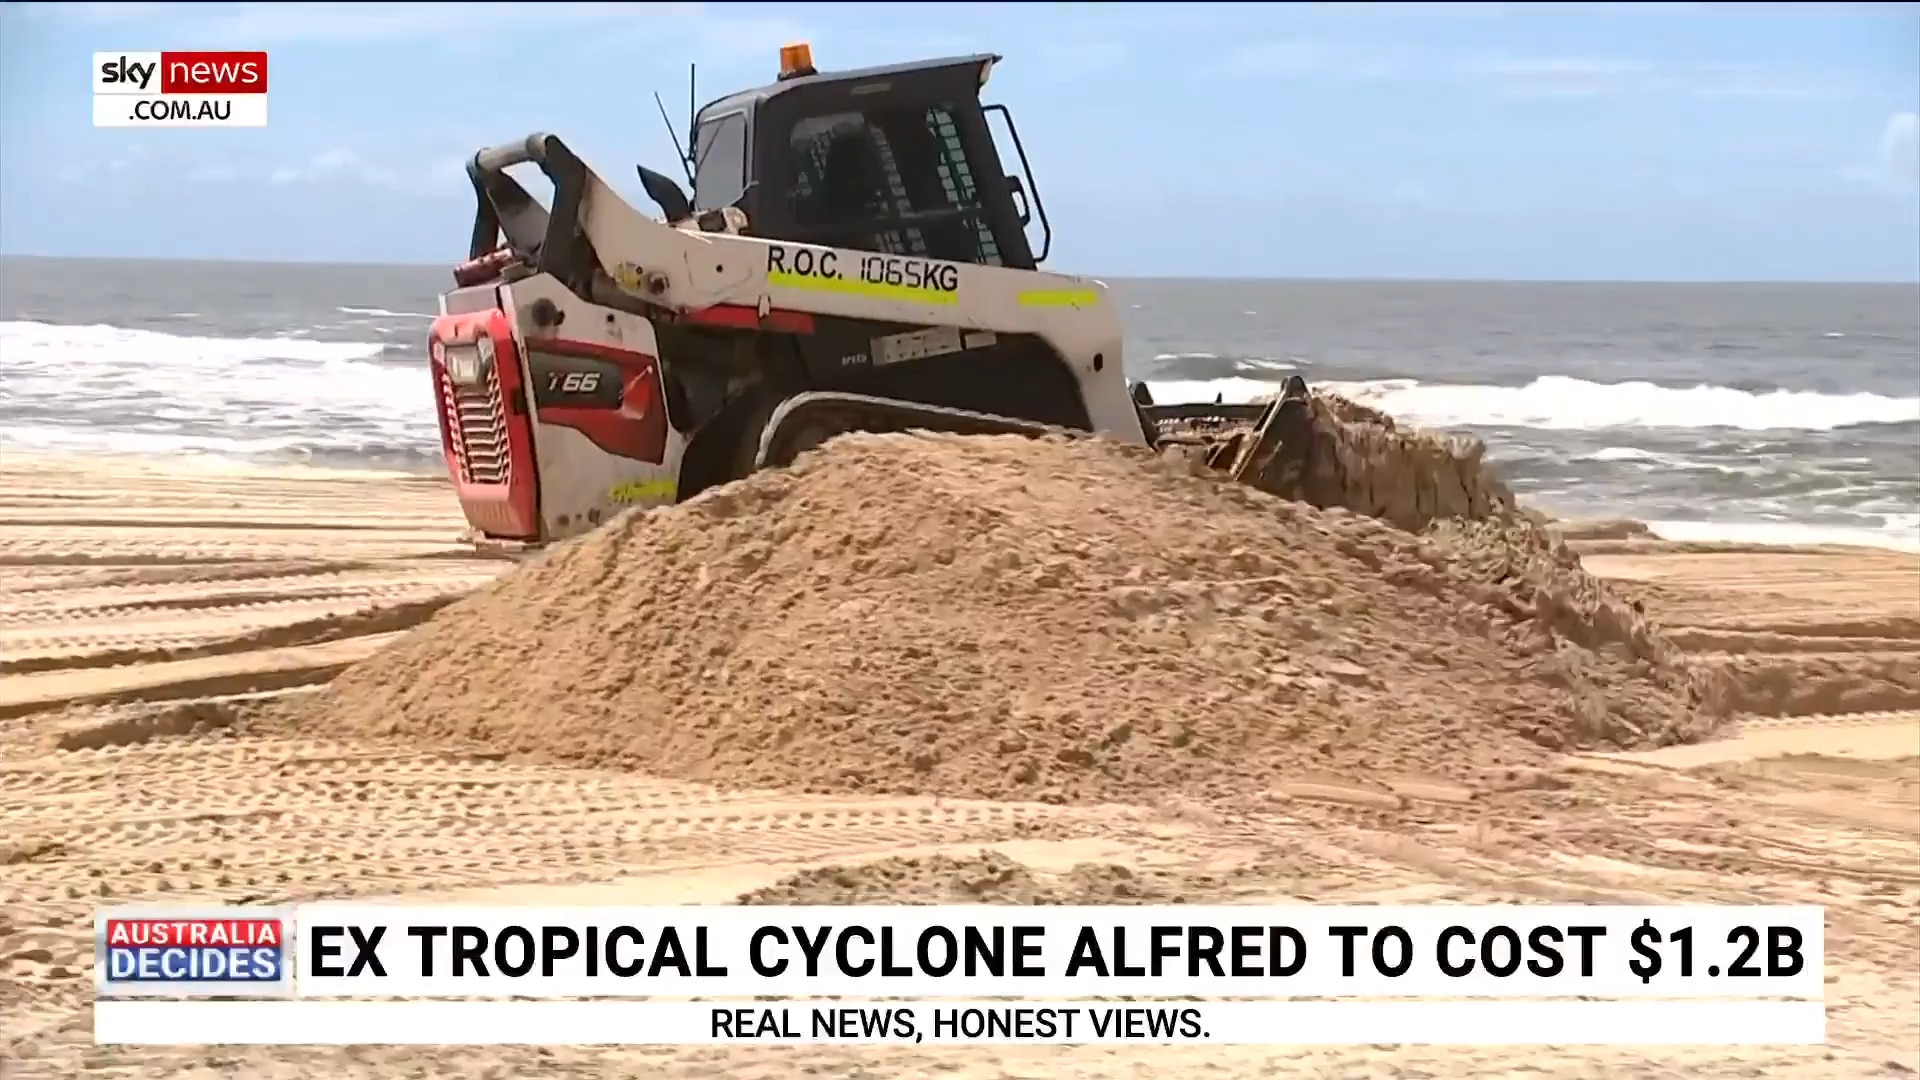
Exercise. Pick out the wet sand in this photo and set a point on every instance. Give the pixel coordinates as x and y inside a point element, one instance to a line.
<point>146,608</point>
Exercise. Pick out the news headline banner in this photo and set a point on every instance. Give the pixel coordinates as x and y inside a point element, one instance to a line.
<point>330,950</point>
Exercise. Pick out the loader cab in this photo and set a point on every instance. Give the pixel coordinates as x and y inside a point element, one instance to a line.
<point>897,159</point>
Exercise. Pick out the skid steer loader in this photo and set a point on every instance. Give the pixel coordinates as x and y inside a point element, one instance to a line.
<point>854,255</point>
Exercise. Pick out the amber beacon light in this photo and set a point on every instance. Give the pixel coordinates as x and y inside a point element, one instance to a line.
<point>796,59</point>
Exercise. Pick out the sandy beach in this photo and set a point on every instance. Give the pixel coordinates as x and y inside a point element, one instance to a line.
<point>148,609</point>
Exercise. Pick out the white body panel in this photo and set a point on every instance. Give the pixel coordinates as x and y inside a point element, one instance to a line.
<point>688,270</point>
<point>582,485</point>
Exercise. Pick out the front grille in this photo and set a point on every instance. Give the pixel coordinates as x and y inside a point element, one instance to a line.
<point>477,419</point>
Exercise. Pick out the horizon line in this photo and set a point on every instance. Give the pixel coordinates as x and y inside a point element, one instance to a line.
<point>227,261</point>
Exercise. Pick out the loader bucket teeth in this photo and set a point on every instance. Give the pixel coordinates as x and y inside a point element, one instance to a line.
<point>1292,442</point>
<point>1221,456</point>
<point>1279,442</point>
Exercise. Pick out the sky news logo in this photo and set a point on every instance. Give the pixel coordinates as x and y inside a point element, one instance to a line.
<point>180,89</point>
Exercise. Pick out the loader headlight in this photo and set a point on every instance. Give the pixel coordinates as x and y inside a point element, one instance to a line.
<point>465,365</point>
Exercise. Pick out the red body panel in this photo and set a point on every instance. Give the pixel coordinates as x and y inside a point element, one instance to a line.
<point>746,318</point>
<point>638,429</point>
<point>485,431</point>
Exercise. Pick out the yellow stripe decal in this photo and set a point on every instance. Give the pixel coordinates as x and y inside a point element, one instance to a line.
<point>643,490</point>
<point>1060,298</point>
<point>788,280</point>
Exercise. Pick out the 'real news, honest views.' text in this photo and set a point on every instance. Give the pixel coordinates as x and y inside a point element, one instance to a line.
<point>179,89</point>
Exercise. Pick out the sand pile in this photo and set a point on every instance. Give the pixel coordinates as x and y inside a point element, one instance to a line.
<point>1009,618</point>
<point>984,878</point>
<point>1786,684</point>
<point>1364,461</point>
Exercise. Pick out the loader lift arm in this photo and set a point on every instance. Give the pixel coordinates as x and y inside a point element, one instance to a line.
<point>547,241</point>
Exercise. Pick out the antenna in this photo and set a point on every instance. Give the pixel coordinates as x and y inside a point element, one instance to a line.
<point>693,105</point>
<point>686,161</point>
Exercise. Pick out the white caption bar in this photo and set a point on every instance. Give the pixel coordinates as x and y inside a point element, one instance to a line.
<point>994,1023</point>
<point>180,110</point>
<point>360,950</point>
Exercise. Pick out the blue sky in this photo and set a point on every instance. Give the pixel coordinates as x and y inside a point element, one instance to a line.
<point>1613,141</point>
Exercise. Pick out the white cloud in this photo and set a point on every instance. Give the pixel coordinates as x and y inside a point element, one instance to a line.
<point>1068,61</point>
<point>1720,7</point>
<point>335,159</point>
<point>1551,76</point>
<point>1744,79</point>
<point>339,166</point>
<point>449,170</point>
<point>1595,76</point>
<point>434,172</point>
<point>1410,193</point>
<point>123,160</point>
<point>94,13</point>
<point>1305,58</point>
<point>1556,67</point>
<point>262,25</point>
<point>1893,166</point>
<point>1277,59</point>
<point>320,166</point>
<point>709,41</point>
<point>1900,150</point>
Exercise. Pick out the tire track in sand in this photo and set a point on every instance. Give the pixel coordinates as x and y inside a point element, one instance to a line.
<point>1797,632</point>
<point>135,626</point>
<point>209,591</point>
<point>143,585</point>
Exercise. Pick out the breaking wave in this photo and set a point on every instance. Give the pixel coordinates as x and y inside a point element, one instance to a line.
<point>1561,403</point>
<point>109,388</point>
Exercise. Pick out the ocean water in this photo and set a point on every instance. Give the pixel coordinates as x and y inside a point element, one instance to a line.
<point>1766,412</point>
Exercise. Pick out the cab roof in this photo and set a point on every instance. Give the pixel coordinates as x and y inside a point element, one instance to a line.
<point>747,98</point>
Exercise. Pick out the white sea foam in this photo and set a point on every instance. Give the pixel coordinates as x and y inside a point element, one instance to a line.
<point>1900,532</point>
<point>1560,403</point>
<point>104,387</point>
<point>380,312</point>
<point>1234,391</point>
<point>1624,453</point>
